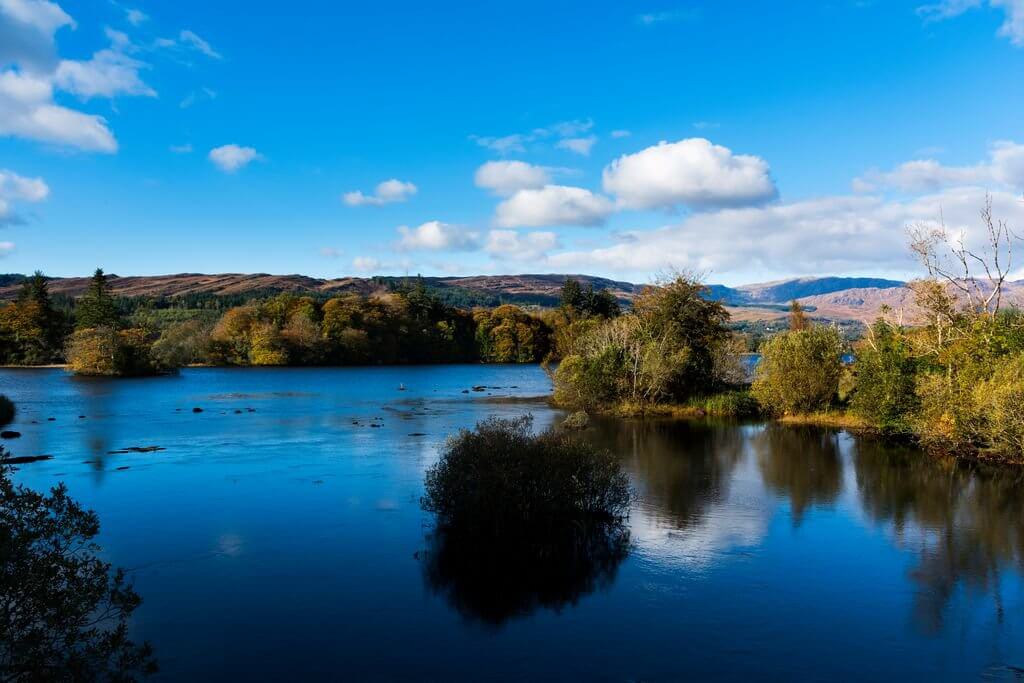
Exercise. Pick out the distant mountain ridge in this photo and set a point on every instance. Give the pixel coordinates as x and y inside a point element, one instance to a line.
<point>829,298</point>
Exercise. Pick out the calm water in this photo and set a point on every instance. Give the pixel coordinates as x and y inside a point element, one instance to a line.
<point>287,542</point>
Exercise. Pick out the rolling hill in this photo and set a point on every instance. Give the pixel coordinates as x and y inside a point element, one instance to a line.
<point>828,298</point>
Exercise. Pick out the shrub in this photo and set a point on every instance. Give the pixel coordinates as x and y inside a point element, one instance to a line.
<point>799,371</point>
<point>1000,401</point>
<point>735,403</point>
<point>65,612</point>
<point>500,479</point>
<point>578,420</point>
<point>885,381</point>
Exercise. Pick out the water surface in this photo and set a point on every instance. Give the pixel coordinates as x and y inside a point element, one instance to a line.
<point>279,536</point>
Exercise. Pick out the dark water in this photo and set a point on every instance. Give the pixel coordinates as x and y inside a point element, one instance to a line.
<point>288,543</point>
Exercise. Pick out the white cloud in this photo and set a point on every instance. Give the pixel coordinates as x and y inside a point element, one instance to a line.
<point>182,149</point>
<point>692,172</point>
<point>1005,166</point>
<point>366,264</point>
<point>230,158</point>
<point>668,16</point>
<point>517,142</point>
<point>508,177</point>
<point>553,205</point>
<point>706,125</point>
<point>27,110</point>
<point>580,146</point>
<point>33,73</point>
<point>26,32</point>
<point>811,237</point>
<point>135,17</point>
<point>621,133</point>
<point>515,246</point>
<point>1012,27</point>
<point>435,236</point>
<point>196,95</point>
<point>193,41</point>
<point>387,192</point>
<point>330,252</point>
<point>109,73</point>
<point>6,248</point>
<point>14,187</point>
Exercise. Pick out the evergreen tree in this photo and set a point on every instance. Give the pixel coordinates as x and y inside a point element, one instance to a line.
<point>572,294</point>
<point>96,308</point>
<point>797,319</point>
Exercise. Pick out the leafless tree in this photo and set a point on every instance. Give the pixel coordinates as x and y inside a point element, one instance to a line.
<point>976,276</point>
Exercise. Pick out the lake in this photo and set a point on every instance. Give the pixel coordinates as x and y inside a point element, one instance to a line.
<point>280,536</point>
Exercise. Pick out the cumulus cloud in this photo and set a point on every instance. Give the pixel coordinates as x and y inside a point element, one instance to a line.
<point>230,158</point>
<point>6,248</point>
<point>553,205</point>
<point>30,73</point>
<point>505,178</point>
<point>581,146</point>
<point>1012,27</point>
<point>823,235</point>
<point>1005,166</point>
<point>26,32</point>
<point>692,172</point>
<point>515,246</point>
<point>14,188</point>
<point>387,192</point>
<point>435,236</point>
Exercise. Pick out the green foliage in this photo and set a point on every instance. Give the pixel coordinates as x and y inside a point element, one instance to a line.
<point>500,479</point>
<point>97,307</point>
<point>668,348</point>
<point>65,612</point>
<point>735,403</point>
<point>799,370</point>
<point>507,334</point>
<point>588,302</point>
<point>885,381</point>
<point>107,352</point>
<point>31,328</point>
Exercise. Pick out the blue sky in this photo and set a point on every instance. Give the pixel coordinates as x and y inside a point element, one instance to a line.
<point>799,138</point>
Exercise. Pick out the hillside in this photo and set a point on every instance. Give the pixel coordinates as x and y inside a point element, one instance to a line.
<point>829,298</point>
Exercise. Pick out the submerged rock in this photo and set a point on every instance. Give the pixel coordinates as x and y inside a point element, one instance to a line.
<point>10,435</point>
<point>22,459</point>
<point>197,410</point>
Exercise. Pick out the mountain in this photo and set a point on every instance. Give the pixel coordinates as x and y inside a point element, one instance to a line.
<point>828,298</point>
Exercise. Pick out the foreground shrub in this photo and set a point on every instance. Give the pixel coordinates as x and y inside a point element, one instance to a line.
<point>523,521</point>
<point>65,612</point>
<point>799,370</point>
<point>501,479</point>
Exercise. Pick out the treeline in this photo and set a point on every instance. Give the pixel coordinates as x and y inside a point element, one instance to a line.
<point>408,323</point>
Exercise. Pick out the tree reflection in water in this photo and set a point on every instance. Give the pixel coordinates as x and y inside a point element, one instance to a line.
<point>493,582</point>
<point>681,468</point>
<point>63,615</point>
<point>800,463</point>
<point>966,524</point>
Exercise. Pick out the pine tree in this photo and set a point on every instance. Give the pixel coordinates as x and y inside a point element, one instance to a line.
<point>96,308</point>
<point>572,294</point>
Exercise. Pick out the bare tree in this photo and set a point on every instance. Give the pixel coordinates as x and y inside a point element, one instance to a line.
<point>976,276</point>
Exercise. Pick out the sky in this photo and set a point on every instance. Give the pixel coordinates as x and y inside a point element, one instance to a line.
<point>747,141</point>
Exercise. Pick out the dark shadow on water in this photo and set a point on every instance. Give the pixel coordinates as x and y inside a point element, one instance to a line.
<point>801,463</point>
<point>490,583</point>
<point>965,525</point>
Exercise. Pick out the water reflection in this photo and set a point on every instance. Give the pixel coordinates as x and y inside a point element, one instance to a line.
<point>491,583</point>
<point>965,526</point>
<point>802,464</point>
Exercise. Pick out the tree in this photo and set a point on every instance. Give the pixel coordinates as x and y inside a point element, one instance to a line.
<point>799,371</point>
<point>63,612</point>
<point>96,308</point>
<point>572,294</point>
<point>797,319</point>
